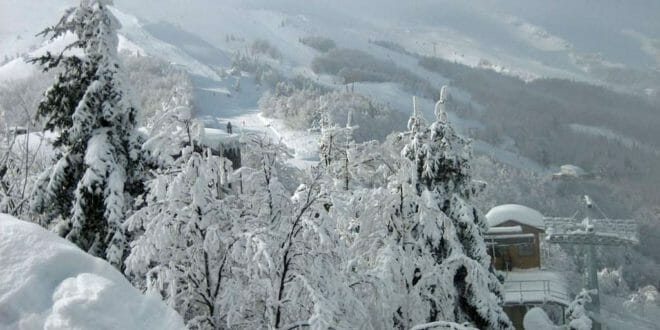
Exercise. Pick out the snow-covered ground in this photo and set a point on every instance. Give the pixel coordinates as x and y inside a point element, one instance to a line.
<point>46,282</point>
<point>39,144</point>
<point>616,317</point>
<point>200,37</point>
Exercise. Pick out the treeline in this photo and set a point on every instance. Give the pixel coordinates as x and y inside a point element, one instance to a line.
<point>544,111</point>
<point>352,65</point>
<point>322,44</point>
<point>301,108</point>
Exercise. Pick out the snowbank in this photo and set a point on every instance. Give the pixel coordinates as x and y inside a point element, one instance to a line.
<point>48,283</point>
<point>537,319</point>
<point>518,213</point>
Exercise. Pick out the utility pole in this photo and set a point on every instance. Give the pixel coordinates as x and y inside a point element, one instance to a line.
<point>592,277</point>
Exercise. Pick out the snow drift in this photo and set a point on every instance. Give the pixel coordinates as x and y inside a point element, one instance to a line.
<point>48,283</point>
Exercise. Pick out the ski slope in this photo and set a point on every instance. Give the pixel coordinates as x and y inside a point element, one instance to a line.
<point>202,36</point>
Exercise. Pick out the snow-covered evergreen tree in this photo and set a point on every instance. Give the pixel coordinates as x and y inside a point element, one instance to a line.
<point>435,250</point>
<point>87,192</point>
<point>645,301</point>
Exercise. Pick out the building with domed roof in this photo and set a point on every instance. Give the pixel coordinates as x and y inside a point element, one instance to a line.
<point>515,232</point>
<point>513,239</point>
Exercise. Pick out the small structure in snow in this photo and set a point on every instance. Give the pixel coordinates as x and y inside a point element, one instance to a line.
<point>513,240</point>
<point>569,171</point>
<point>223,144</point>
<point>499,215</point>
<point>514,235</point>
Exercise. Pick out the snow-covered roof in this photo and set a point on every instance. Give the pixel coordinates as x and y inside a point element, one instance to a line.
<point>571,170</point>
<point>214,137</point>
<point>504,230</point>
<point>47,282</point>
<point>510,236</point>
<point>513,212</point>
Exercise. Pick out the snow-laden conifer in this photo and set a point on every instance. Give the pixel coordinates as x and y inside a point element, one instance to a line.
<point>441,175</point>
<point>433,252</point>
<point>88,191</point>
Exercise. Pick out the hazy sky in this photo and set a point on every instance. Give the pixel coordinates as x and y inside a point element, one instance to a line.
<point>622,31</point>
<point>617,29</point>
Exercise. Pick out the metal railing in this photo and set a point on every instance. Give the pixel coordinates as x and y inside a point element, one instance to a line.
<point>535,291</point>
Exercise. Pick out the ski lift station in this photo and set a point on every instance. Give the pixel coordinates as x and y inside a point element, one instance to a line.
<point>514,237</point>
<point>513,240</point>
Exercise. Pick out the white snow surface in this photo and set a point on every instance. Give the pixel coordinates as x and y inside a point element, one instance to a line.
<point>571,170</point>
<point>504,230</point>
<point>39,144</point>
<point>535,286</point>
<point>518,213</point>
<point>537,319</point>
<point>48,283</point>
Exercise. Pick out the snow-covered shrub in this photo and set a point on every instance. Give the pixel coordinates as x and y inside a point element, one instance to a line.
<point>576,313</point>
<point>537,319</point>
<point>299,108</point>
<point>391,45</point>
<point>23,156</point>
<point>611,282</point>
<point>322,44</point>
<point>264,47</point>
<point>264,73</point>
<point>645,301</point>
<point>266,157</point>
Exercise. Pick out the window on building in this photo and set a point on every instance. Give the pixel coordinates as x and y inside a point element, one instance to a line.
<point>501,251</point>
<point>525,250</point>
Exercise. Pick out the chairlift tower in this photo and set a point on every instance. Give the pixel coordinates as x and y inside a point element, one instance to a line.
<point>592,232</point>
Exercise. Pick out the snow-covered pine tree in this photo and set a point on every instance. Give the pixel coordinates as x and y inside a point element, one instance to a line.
<point>435,219</point>
<point>87,192</point>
